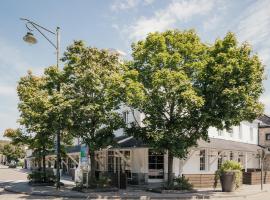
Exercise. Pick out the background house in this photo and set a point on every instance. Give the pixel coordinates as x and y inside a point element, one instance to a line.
<point>264,138</point>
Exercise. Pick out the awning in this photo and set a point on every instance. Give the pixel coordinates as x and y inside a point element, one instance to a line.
<point>221,144</point>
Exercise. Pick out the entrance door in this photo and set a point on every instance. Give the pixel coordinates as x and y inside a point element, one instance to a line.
<point>155,166</point>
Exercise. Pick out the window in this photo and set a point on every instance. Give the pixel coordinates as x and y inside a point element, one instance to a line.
<point>240,132</point>
<point>117,163</point>
<point>110,161</point>
<point>267,136</point>
<point>155,164</point>
<point>202,160</point>
<point>240,158</point>
<point>220,159</point>
<point>220,132</point>
<point>125,117</point>
<point>251,133</point>
<point>230,131</point>
<point>231,155</point>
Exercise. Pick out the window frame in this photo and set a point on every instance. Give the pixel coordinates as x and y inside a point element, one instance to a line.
<point>240,134</point>
<point>266,136</point>
<point>220,132</point>
<point>251,134</point>
<point>230,131</point>
<point>202,160</point>
<point>126,116</point>
<point>158,160</point>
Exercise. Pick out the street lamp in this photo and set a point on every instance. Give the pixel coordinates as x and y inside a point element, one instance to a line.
<point>29,38</point>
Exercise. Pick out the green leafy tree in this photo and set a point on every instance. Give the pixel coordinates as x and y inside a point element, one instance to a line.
<point>184,86</point>
<point>41,113</point>
<point>92,88</point>
<point>13,153</point>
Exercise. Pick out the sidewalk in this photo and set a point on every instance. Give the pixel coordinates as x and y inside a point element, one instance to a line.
<point>23,187</point>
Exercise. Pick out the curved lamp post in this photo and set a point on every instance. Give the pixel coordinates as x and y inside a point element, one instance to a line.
<point>29,38</point>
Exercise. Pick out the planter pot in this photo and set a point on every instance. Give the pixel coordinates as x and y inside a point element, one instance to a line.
<point>227,180</point>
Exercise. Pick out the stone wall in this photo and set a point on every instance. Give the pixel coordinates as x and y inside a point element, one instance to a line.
<point>201,180</point>
<point>254,178</point>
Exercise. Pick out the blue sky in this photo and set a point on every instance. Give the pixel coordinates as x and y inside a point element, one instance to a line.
<point>116,24</point>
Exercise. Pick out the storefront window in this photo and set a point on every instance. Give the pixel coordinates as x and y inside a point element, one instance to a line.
<point>155,165</point>
<point>117,162</point>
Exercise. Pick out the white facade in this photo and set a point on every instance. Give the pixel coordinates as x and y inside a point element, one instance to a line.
<point>203,159</point>
<point>244,134</point>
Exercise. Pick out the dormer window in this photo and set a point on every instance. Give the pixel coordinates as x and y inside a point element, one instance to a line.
<point>220,132</point>
<point>230,131</point>
<point>240,132</point>
<point>125,116</point>
<point>251,133</point>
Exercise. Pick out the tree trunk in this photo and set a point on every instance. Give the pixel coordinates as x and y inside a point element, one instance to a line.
<point>44,163</point>
<point>170,170</point>
<point>39,161</point>
<point>93,167</point>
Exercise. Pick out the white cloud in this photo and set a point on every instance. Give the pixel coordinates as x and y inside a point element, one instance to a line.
<point>211,23</point>
<point>169,16</point>
<point>128,4</point>
<point>254,26</point>
<point>265,99</point>
<point>12,64</point>
<point>6,90</point>
<point>148,2</point>
<point>124,5</point>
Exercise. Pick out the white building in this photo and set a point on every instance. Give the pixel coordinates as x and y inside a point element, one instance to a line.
<point>143,165</point>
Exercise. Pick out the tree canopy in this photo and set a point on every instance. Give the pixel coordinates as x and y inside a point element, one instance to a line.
<point>183,86</point>
<point>93,88</point>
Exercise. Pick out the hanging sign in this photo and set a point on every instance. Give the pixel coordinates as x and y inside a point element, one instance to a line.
<point>84,155</point>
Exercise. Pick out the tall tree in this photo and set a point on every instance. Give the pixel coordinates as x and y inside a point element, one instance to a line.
<point>13,153</point>
<point>41,109</point>
<point>93,86</point>
<point>184,86</point>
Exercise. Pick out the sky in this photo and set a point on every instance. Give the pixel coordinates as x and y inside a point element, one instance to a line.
<point>116,24</point>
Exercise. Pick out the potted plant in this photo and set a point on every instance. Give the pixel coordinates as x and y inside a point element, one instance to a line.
<point>230,176</point>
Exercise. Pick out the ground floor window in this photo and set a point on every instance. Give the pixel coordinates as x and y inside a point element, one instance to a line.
<point>220,159</point>
<point>155,164</point>
<point>231,155</point>
<point>202,160</point>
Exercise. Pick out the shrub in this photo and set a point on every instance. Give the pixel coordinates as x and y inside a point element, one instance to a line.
<point>20,164</point>
<point>180,183</point>
<point>40,177</point>
<point>103,182</point>
<point>230,166</point>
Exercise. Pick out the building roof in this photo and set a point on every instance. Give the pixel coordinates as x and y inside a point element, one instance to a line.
<point>265,121</point>
<point>73,149</point>
<point>221,144</point>
<point>129,142</point>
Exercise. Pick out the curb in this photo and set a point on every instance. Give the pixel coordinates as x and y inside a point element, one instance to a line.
<point>80,196</point>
